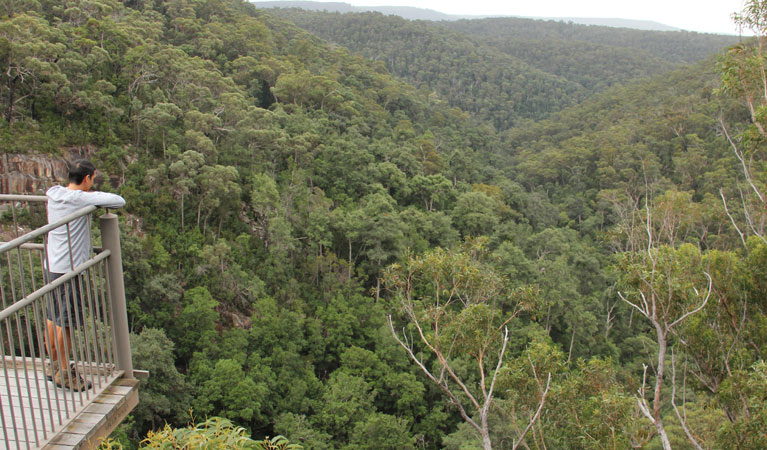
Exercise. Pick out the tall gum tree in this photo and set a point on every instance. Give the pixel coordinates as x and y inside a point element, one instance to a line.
<point>456,312</point>
<point>666,285</point>
<point>743,72</point>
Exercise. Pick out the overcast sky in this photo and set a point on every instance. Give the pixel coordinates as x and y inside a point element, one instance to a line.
<point>710,16</point>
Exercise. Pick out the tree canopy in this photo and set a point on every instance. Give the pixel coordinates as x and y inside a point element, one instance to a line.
<point>300,210</point>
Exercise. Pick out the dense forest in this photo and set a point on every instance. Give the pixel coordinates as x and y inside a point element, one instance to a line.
<point>506,69</point>
<point>414,235</point>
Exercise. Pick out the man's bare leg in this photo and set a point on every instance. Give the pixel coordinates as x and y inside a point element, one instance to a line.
<point>59,341</point>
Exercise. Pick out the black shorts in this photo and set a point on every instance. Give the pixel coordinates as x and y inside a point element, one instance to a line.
<point>65,307</point>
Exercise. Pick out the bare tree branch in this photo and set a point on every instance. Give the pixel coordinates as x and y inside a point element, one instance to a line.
<point>732,219</point>
<point>633,305</point>
<point>682,420</point>
<point>535,416</point>
<point>442,386</point>
<point>702,305</point>
<point>739,155</point>
<point>500,363</point>
<point>641,400</point>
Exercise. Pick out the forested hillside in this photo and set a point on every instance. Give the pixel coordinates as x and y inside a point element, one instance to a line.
<point>415,13</point>
<point>479,79</point>
<point>672,46</point>
<point>593,56</point>
<point>317,248</point>
<point>508,69</point>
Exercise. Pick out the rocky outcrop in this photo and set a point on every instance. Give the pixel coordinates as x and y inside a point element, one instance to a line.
<point>30,174</point>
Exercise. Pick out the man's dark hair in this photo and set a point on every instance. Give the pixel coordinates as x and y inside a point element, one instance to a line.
<point>79,169</point>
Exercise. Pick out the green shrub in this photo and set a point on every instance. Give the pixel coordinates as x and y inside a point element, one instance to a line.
<point>214,434</point>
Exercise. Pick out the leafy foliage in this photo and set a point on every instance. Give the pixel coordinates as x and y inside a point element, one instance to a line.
<point>277,184</point>
<point>213,434</point>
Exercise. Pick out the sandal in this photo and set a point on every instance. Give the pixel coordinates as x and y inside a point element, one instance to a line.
<point>71,380</point>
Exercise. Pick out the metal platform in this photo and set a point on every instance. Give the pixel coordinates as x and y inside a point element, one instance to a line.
<point>39,415</point>
<point>34,413</point>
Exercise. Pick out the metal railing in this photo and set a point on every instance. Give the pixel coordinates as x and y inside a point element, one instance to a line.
<point>31,406</point>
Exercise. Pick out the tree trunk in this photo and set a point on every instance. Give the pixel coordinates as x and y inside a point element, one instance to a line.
<point>572,342</point>
<point>547,327</point>
<point>199,211</point>
<point>486,444</point>
<point>662,344</point>
<point>11,93</point>
<point>484,430</point>
<point>349,276</point>
<point>662,347</point>
<point>663,436</point>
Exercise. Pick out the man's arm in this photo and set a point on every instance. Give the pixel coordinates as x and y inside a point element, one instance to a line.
<point>103,199</point>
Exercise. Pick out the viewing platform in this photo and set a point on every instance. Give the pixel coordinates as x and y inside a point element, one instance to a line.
<point>34,412</point>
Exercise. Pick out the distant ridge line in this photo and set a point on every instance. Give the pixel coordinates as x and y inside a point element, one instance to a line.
<point>413,13</point>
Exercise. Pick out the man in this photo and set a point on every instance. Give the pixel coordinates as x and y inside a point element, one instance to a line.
<point>68,247</point>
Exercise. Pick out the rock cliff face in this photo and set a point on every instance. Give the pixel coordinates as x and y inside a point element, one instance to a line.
<point>30,174</point>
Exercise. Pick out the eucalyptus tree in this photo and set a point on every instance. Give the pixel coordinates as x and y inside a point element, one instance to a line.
<point>738,373</point>
<point>667,286</point>
<point>456,313</point>
<point>29,54</point>
<point>744,76</point>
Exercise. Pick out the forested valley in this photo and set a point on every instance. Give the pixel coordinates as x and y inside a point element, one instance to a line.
<point>362,232</point>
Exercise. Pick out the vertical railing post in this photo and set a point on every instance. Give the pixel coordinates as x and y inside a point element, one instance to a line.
<point>110,239</point>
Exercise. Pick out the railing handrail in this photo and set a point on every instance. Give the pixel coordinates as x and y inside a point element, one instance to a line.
<point>28,246</point>
<point>88,302</point>
<point>10,245</point>
<point>26,301</point>
<point>23,198</point>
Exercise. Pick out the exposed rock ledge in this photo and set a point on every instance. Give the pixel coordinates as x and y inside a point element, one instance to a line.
<point>30,174</point>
